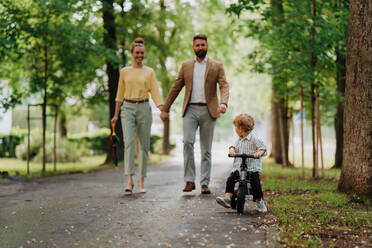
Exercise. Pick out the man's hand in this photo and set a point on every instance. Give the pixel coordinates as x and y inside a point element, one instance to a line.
<point>222,108</point>
<point>164,115</point>
<point>232,151</point>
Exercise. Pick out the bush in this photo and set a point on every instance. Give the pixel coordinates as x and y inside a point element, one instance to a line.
<point>8,144</point>
<point>153,139</point>
<point>97,143</point>
<point>66,151</point>
<point>92,144</point>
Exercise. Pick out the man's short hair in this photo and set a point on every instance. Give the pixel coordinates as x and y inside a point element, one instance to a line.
<point>200,37</point>
<point>245,122</point>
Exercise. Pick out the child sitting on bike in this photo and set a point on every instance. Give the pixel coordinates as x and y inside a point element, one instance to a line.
<point>247,143</point>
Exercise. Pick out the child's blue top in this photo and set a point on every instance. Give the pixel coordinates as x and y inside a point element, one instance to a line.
<point>249,145</point>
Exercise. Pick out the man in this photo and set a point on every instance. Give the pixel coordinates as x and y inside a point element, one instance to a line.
<point>200,108</point>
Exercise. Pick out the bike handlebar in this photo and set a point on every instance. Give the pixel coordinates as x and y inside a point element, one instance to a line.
<point>242,155</point>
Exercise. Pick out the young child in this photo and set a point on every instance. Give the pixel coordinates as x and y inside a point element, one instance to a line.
<point>247,143</point>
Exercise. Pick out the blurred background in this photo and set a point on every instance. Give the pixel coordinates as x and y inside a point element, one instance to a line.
<point>65,55</point>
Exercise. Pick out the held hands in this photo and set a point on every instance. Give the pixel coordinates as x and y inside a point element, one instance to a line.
<point>164,115</point>
<point>222,108</point>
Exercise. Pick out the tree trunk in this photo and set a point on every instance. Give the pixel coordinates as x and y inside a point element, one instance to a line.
<point>276,105</point>
<point>302,130</point>
<point>166,82</point>
<point>356,172</point>
<point>313,62</point>
<point>282,138</point>
<point>62,125</point>
<point>112,71</point>
<point>275,131</point>
<point>339,128</point>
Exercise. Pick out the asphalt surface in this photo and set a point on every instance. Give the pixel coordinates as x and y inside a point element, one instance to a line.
<point>91,210</point>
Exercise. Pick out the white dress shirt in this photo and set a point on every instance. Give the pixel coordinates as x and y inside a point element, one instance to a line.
<point>197,93</point>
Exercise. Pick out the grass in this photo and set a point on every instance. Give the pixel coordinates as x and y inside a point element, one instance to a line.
<point>311,213</point>
<point>16,167</point>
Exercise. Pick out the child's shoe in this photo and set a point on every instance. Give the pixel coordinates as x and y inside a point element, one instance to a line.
<point>261,206</point>
<point>224,201</point>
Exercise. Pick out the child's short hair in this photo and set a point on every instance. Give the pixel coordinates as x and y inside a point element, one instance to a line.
<point>244,121</point>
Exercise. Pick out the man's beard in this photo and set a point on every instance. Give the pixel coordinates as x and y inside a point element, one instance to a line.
<point>201,54</point>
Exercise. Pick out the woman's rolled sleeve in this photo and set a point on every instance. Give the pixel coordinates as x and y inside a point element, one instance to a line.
<point>154,89</point>
<point>121,88</point>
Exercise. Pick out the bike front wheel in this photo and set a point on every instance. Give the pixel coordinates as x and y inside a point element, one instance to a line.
<point>240,200</point>
<point>233,200</point>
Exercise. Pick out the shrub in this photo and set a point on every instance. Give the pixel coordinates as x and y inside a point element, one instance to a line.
<point>65,150</point>
<point>8,144</point>
<point>36,143</point>
<point>92,144</point>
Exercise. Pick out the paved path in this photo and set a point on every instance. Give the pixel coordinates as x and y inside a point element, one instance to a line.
<point>91,210</point>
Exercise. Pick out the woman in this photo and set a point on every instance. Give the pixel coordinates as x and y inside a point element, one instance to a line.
<point>135,83</point>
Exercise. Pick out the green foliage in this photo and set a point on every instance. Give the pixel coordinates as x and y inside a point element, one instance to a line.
<point>296,46</point>
<point>65,150</point>
<point>50,45</point>
<point>92,144</point>
<point>8,144</point>
<point>153,139</point>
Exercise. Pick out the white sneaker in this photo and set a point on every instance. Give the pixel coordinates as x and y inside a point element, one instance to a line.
<point>224,201</point>
<point>261,206</point>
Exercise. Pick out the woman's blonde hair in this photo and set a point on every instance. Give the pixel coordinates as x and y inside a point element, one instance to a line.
<point>137,42</point>
<point>245,122</point>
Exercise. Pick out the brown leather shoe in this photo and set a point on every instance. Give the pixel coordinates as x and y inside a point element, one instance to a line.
<point>205,189</point>
<point>189,187</point>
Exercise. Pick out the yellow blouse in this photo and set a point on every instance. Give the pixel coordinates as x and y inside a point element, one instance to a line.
<point>136,83</point>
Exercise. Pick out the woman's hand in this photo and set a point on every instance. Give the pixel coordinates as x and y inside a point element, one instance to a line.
<point>160,107</point>
<point>114,120</point>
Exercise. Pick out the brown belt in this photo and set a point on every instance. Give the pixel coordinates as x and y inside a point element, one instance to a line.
<point>136,101</point>
<point>198,103</point>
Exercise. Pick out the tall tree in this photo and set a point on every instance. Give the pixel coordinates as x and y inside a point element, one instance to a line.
<point>277,102</point>
<point>296,48</point>
<point>112,68</point>
<point>356,173</point>
<point>51,44</point>
<point>341,10</point>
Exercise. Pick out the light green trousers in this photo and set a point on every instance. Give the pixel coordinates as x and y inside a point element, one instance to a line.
<point>136,116</point>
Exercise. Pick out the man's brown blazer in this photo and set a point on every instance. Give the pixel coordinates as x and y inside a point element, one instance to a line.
<point>214,73</point>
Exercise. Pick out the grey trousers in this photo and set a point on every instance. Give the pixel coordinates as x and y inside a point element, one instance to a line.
<point>136,116</point>
<point>197,116</point>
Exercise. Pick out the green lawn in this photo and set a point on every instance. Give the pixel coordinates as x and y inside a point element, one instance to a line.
<point>311,213</point>
<point>19,167</point>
